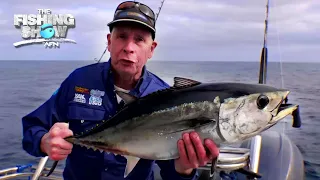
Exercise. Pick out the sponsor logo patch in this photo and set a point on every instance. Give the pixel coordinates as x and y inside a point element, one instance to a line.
<point>79,98</point>
<point>81,90</point>
<point>95,98</point>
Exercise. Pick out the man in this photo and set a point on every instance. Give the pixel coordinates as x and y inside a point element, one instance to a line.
<point>87,96</point>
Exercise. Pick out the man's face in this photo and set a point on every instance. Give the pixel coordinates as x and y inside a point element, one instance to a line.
<point>130,47</point>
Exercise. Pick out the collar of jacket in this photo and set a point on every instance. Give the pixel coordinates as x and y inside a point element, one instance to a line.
<point>140,87</point>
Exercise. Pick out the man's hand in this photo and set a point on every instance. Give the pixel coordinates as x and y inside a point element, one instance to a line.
<point>53,144</point>
<point>193,154</point>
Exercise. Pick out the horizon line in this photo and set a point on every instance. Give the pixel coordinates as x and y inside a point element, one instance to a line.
<point>230,61</point>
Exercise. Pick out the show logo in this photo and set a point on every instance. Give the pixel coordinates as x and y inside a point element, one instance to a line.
<point>44,28</point>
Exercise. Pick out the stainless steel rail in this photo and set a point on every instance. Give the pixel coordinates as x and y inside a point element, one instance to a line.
<point>230,159</point>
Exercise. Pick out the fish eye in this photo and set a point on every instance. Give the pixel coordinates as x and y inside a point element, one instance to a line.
<point>262,101</point>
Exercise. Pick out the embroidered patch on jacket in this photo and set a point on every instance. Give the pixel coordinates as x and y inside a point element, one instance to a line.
<point>81,90</point>
<point>79,98</point>
<point>95,98</point>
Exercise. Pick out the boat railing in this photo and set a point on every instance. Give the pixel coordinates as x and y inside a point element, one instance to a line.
<point>31,172</point>
<point>230,159</point>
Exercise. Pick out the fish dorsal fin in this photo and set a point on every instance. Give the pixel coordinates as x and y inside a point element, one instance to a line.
<point>127,98</point>
<point>131,163</point>
<point>184,82</point>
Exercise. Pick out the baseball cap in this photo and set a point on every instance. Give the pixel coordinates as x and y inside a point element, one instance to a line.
<point>133,11</point>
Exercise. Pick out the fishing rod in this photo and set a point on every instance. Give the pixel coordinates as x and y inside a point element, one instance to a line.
<point>264,53</point>
<point>257,140</point>
<point>157,15</point>
<point>263,69</point>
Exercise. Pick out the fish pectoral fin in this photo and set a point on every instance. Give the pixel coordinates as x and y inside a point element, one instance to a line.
<point>184,82</point>
<point>127,98</point>
<point>131,163</point>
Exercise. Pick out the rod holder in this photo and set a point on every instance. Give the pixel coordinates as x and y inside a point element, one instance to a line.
<point>255,150</point>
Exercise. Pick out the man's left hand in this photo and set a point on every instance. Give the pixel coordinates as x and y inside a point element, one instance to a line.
<point>192,153</point>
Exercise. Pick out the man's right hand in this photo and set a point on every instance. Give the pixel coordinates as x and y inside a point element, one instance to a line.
<point>53,144</point>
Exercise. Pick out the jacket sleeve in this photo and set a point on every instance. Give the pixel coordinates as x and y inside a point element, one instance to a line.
<point>39,122</point>
<point>168,171</point>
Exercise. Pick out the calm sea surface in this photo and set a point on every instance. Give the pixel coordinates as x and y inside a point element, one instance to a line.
<point>24,85</point>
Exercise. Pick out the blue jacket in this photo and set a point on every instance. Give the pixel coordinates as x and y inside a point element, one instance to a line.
<point>73,103</point>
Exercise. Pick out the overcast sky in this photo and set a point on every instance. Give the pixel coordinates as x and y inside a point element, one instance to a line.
<point>190,30</point>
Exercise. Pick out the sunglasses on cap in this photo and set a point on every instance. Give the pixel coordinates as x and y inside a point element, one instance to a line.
<point>142,7</point>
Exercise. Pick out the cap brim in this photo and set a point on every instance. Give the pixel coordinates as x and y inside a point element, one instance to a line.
<point>131,20</point>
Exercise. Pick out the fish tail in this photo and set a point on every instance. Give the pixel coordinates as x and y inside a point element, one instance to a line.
<point>70,139</point>
<point>54,165</point>
<point>213,166</point>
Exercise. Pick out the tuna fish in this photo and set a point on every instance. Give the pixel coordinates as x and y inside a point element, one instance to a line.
<point>149,127</point>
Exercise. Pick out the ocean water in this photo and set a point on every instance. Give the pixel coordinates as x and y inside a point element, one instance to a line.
<point>25,85</point>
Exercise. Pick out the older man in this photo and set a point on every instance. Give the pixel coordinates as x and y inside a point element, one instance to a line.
<point>87,96</point>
